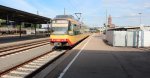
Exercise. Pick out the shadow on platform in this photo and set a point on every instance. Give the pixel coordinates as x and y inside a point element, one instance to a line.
<point>111,64</point>
<point>105,64</point>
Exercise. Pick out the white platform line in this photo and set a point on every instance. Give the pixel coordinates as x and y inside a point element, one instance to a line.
<point>68,66</point>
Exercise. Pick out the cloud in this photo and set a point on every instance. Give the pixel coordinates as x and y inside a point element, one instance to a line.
<point>147,5</point>
<point>44,10</point>
<point>27,6</point>
<point>19,4</point>
<point>114,3</point>
<point>88,7</point>
<point>93,11</point>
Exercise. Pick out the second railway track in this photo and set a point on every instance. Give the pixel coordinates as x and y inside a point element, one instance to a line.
<point>21,48</point>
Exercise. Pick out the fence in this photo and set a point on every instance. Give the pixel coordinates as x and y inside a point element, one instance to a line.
<point>128,38</point>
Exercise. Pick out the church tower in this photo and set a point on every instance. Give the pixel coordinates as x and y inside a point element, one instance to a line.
<point>109,21</point>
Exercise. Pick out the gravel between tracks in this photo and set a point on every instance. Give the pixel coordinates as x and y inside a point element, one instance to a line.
<point>18,58</point>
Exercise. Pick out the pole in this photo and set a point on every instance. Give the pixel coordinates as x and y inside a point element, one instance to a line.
<point>51,29</point>
<point>140,18</point>
<point>37,12</point>
<point>137,39</point>
<point>7,21</point>
<point>0,21</point>
<point>106,18</point>
<point>48,28</point>
<point>106,22</point>
<point>138,32</point>
<point>20,29</point>
<point>64,11</point>
<point>35,28</point>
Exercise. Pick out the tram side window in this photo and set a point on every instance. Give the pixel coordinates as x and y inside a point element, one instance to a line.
<point>76,30</point>
<point>71,30</point>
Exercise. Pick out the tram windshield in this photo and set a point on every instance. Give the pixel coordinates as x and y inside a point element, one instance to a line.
<point>59,30</point>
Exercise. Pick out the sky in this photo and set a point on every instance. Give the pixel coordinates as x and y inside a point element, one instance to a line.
<point>123,12</point>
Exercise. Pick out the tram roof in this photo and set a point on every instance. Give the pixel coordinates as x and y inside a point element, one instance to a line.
<point>67,17</point>
<point>12,14</point>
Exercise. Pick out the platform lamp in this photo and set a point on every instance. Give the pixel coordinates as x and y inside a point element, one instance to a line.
<point>140,18</point>
<point>138,32</point>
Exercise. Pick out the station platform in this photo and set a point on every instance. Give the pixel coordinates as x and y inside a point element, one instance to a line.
<point>10,40</point>
<point>93,58</point>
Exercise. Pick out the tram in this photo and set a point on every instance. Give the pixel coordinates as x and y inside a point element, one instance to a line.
<point>66,31</point>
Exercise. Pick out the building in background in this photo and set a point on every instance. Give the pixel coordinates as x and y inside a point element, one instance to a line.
<point>110,24</point>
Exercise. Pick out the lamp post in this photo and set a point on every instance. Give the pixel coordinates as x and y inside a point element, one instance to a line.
<point>140,18</point>
<point>138,31</point>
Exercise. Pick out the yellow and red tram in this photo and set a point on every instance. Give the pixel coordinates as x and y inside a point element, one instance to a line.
<point>66,31</point>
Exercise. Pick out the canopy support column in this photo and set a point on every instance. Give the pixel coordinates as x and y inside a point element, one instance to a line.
<point>20,28</point>
<point>35,29</point>
<point>48,28</point>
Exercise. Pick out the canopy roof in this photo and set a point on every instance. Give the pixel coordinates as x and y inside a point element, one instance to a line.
<point>11,14</point>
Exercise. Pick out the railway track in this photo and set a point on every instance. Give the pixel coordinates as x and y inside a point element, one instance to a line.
<point>29,67</point>
<point>32,66</point>
<point>20,48</point>
<point>20,45</point>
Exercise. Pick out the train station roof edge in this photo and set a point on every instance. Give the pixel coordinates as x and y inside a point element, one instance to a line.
<point>12,14</point>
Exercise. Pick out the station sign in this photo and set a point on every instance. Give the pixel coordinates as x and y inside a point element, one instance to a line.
<point>60,21</point>
<point>59,25</point>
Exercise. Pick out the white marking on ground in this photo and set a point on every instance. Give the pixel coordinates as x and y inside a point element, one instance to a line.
<point>18,72</point>
<point>68,66</point>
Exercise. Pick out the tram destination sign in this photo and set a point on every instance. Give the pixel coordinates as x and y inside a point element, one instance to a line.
<point>61,21</point>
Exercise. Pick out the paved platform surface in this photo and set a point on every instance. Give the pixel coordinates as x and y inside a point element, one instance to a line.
<point>95,59</point>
